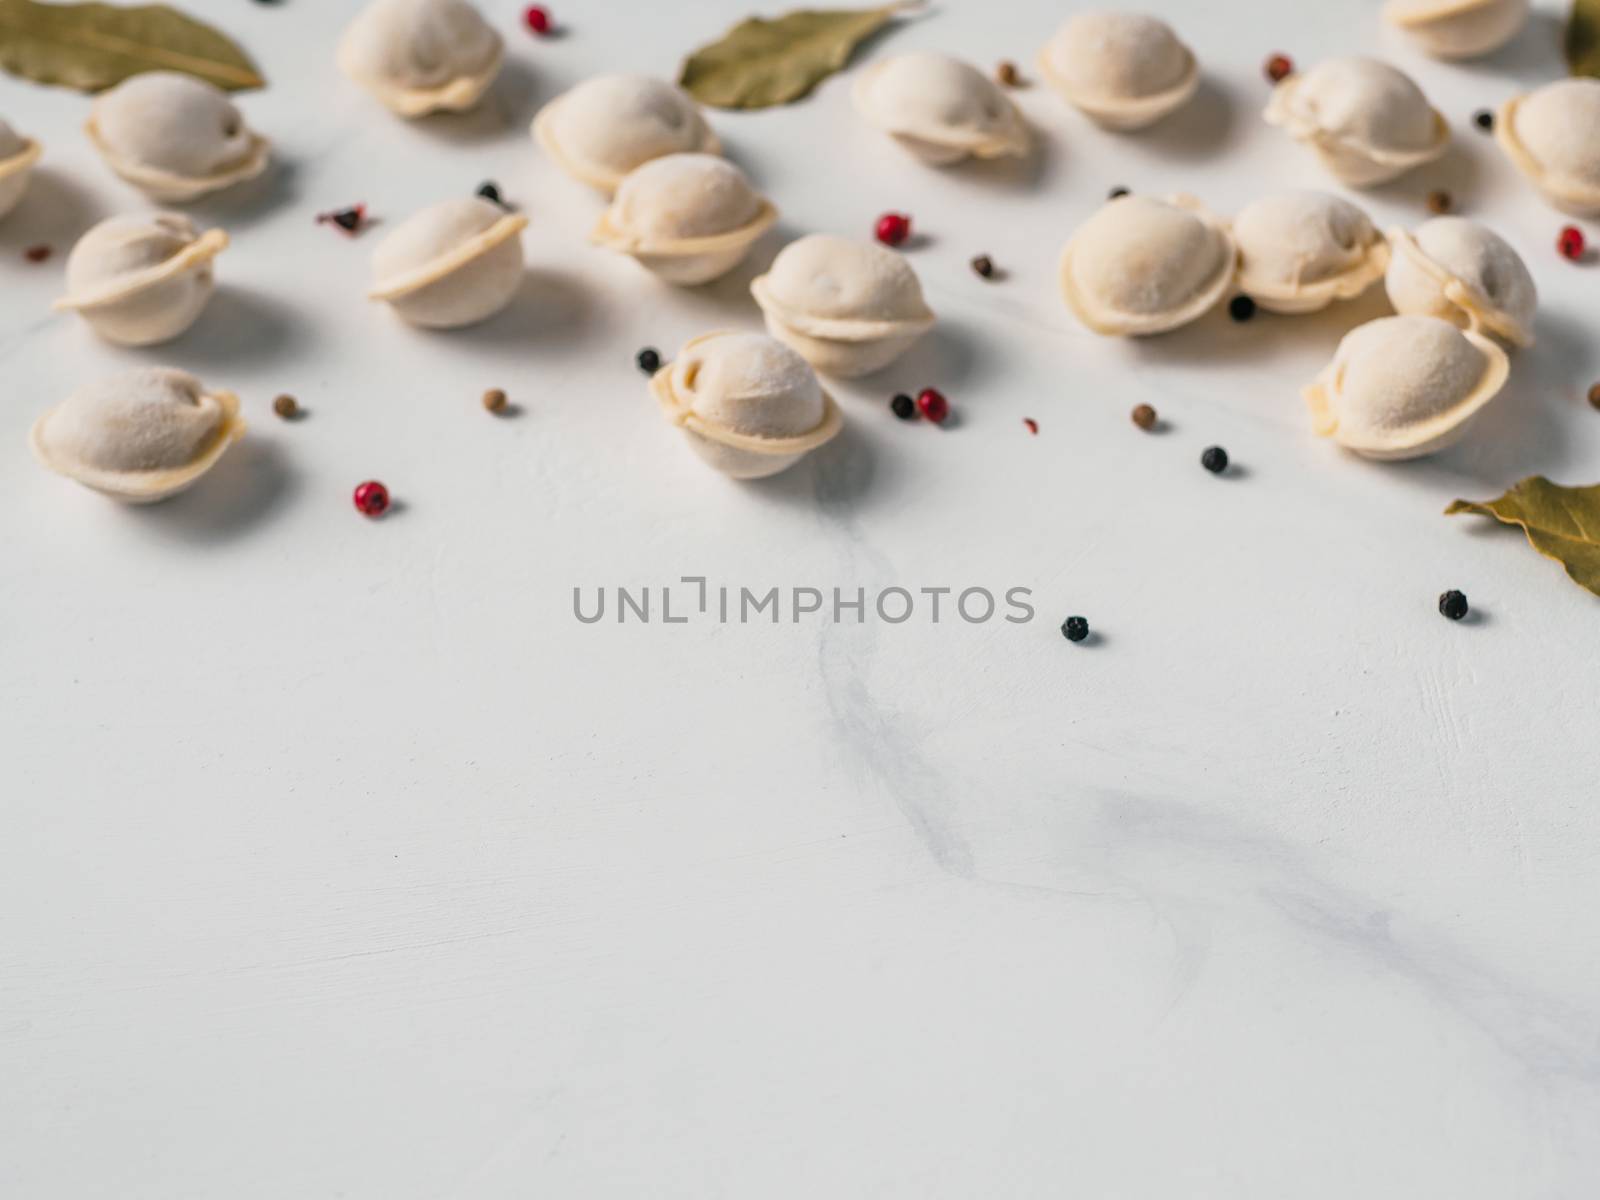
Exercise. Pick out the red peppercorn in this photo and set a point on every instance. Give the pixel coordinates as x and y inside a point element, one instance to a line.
<point>1279,67</point>
<point>1570,242</point>
<point>893,228</point>
<point>372,498</point>
<point>1032,425</point>
<point>933,405</point>
<point>37,254</point>
<point>348,220</point>
<point>537,19</point>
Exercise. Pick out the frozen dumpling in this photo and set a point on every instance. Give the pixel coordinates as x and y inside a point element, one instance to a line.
<point>1300,251</point>
<point>17,156</point>
<point>1124,70</point>
<point>1465,273</point>
<point>747,404</point>
<point>174,137</point>
<point>142,280</point>
<point>848,307</point>
<point>1142,265</point>
<point>687,217</point>
<point>1458,28</point>
<point>1553,137</point>
<point>940,108</point>
<point>140,436</point>
<point>454,263</point>
<point>422,56</point>
<point>608,126</point>
<point>1367,121</point>
<point>1403,387</point>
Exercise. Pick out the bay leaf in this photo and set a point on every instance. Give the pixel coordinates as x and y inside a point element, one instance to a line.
<point>1562,523</point>
<point>91,47</point>
<point>1583,38</point>
<point>761,62</point>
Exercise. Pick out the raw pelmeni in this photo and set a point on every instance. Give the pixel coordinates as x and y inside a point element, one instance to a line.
<point>1465,273</point>
<point>1301,251</point>
<point>1142,265</point>
<point>1458,28</point>
<point>689,218</point>
<point>1124,70</point>
<point>941,109</point>
<point>1367,121</point>
<point>1402,387</point>
<point>1553,137</point>
<point>17,156</point>
<point>848,307</point>
<point>142,280</point>
<point>452,264</point>
<point>608,126</point>
<point>747,404</point>
<point>140,436</point>
<point>174,137</point>
<point>422,56</point>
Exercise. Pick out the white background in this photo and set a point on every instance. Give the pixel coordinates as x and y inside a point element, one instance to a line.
<point>338,860</point>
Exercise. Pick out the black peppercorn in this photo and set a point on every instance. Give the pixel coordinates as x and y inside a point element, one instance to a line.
<point>1116,193</point>
<point>1453,604</point>
<point>1214,459</point>
<point>1241,308</point>
<point>649,360</point>
<point>904,407</point>
<point>1075,629</point>
<point>491,193</point>
<point>1483,119</point>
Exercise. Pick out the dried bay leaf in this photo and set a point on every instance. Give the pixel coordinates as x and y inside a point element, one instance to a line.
<point>91,47</point>
<point>1583,38</point>
<point>761,62</point>
<point>1562,523</point>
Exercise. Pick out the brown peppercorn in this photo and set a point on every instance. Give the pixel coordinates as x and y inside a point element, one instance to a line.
<point>1594,395</point>
<point>1439,202</point>
<point>494,400</point>
<point>37,254</point>
<point>1145,417</point>
<point>984,265</point>
<point>286,406</point>
<point>1007,74</point>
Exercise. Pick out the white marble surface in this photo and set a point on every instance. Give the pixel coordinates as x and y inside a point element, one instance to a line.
<point>338,860</point>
